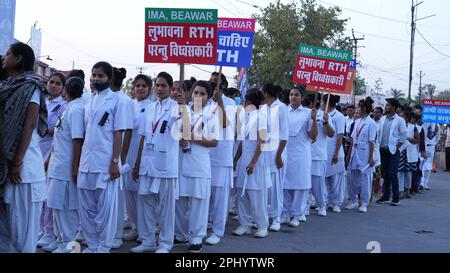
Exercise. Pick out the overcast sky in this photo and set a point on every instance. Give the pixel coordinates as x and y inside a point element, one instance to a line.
<point>87,31</point>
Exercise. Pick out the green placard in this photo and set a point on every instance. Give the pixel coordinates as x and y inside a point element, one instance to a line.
<point>325,53</point>
<point>168,15</point>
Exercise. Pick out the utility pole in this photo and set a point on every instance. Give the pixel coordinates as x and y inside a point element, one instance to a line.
<point>421,75</point>
<point>141,69</point>
<point>355,56</point>
<point>413,36</point>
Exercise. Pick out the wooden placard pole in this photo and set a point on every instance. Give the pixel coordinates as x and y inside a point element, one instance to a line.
<point>181,72</point>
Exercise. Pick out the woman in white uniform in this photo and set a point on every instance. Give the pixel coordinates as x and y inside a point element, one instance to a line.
<point>221,164</point>
<point>119,74</point>
<point>55,106</point>
<point>319,160</point>
<point>361,159</point>
<point>253,179</point>
<point>432,137</point>
<point>63,167</point>
<point>141,85</point>
<point>158,172</point>
<point>98,178</point>
<point>24,123</point>
<point>335,177</point>
<point>275,153</point>
<point>297,183</point>
<point>195,170</point>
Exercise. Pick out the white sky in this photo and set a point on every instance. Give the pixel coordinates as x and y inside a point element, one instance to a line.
<point>87,31</point>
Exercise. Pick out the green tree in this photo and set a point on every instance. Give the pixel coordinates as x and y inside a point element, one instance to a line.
<point>444,95</point>
<point>430,91</point>
<point>282,28</point>
<point>377,90</point>
<point>360,85</point>
<point>397,94</point>
<point>128,86</point>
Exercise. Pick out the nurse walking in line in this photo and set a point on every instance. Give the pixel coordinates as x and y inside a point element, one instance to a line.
<point>55,107</point>
<point>142,85</point>
<point>361,159</point>
<point>195,171</point>
<point>119,74</point>
<point>156,168</point>
<point>253,179</point>
<point>278,133</point>
<point>63,168</point>
<point>325,130</point>
<point>335,177</point>
<point>297,183</point>
<point>98,177</point>
<point>24,123</point>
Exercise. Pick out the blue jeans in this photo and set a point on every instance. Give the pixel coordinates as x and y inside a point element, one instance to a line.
<point>389,172</point>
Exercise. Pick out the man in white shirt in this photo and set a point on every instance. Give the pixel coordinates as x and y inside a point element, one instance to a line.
<point>392,136</point>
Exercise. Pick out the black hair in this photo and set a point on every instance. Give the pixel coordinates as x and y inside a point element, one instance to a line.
<point>183,86</point>
<point>269,89</point>
<point>74,87</point>
<point>77,73</point>
<point>223,79</point>
<point>106,67</point>
<point>306,102</point>
<point>366,104</point>
<point>231,92</point>
<point>189,83</point>
<point>206,85</point>
<point>27,53</point>
<point>61,77</point>
<point>394,102</point>
<point>351,107</point>
<point>284,96</point>
<point>119,74</point>
<point>338,108</point>
<point>3,73</point>
<point>418,106</point>
<point>334,99</point>
<point>145,78</point>
<point>312,96</point>
<point>167,77</point>
<point>255,97</point>
<point>379,109</point>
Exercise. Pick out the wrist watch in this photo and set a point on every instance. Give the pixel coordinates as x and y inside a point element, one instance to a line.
<point>115,160</point>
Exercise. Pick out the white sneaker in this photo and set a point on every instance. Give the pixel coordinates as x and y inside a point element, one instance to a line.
<point>261,233</point>
<point>162,250</point>
<point>302,219</point>
<point>275,226</point>
<point>285,221</point>
<point>240,231</point>
<point>62,248</point>
<point>336,209</point>
<point>45,241</point>
<point>131,235</point>
<point>352,206</point>
<point>143,249</point>
<point>294,223</point>
<point>117,244</point>
<point>213,240</point>
<point>322,212</point>
<point>52,247</point>
<point>363,209</point>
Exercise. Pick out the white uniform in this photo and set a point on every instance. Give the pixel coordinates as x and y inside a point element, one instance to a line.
<point>158,182</point>
<point>432,137</point>
<point>252,189</point>
<point>55,109</point>
<point>297,182</point>
<point>192,207</point>
<point>412,153</point>
<point>104,115</point>
<point>62,191</point>
<point>26,199</point>
<point>361,175</point>
<point>376,152</point>
<point>222,169</point>
<point>278,130</point>
<point>335,177</point>
<point>129,124</point>
<point>319,163</point>
<point>131,186</point>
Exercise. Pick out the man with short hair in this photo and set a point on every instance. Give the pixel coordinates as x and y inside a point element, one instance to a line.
<point>393,135</point>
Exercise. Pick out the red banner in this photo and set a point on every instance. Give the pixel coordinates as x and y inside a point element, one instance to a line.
<point>442,103</point>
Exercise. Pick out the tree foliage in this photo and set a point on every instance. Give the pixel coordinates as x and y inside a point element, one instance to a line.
<point>282,28</point>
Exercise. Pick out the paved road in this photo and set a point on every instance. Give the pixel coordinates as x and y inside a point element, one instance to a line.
<point>395,228</point>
